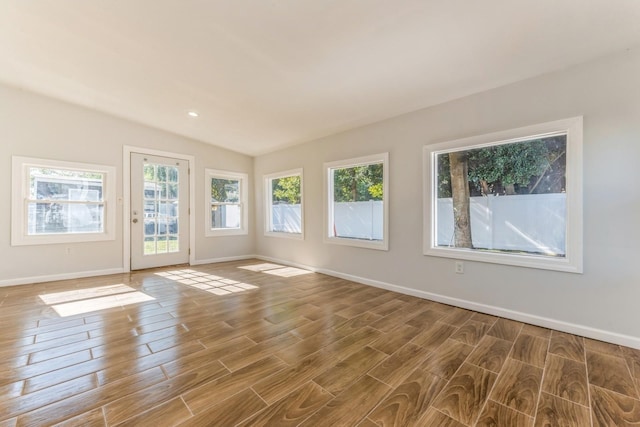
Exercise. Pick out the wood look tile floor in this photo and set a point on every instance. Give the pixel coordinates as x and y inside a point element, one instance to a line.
<point>256,344</point>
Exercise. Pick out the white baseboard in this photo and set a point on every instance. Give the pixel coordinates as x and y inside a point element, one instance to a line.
<point>223,259</point>
<point>546,322</point>
<point>62,276</point>
<point>82,274</point>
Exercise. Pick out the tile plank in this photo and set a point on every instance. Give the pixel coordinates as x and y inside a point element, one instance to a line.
<point>530,349</point>
<point>347,371</point>
<point>466,393</point>
<point>409,401</point>
<point>168,413</point>
<point>613,409</point>
<point>495,414</point>
<point>395,368</point>
<point>490,353</point>
<point>518,386</point>
<point>567,345</point>
<point>567,379</point>
<point>553,411</point>
<point>228,412</point>
<point>611,373</point>
<point>351,406</point>
<point>291,409</point>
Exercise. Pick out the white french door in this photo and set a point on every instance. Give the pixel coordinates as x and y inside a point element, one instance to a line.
<point>159,211</point>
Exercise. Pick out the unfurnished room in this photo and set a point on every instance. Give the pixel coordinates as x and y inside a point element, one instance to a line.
<point>320,213</point>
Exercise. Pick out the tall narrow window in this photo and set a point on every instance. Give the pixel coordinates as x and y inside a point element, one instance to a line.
<point>226,207</point>
<point>58,202</point>
<point>357,202</point>
<point>513,197</point>
<point>284,216</point>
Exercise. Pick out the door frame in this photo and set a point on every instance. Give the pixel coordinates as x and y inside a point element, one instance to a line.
<point>126,199</point>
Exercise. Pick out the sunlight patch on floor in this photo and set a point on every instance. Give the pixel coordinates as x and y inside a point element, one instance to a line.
<point>261,267</point>
<point>215,285</point>
<point>276,269</point>
<point>81,301</point>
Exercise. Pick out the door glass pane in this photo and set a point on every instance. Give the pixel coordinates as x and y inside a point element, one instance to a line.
<point>160,209</point>
<point>149,245</point>
<point>172,174</point>
<point>161,245</point>
<point>172,191</point>
<point>149,227</point>
<point>162,173</point>
<point>173,245</point>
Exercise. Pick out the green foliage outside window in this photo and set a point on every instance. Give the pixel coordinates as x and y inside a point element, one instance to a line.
<point>358,183</point>
<point>286,190</point>
<point>530,167</point>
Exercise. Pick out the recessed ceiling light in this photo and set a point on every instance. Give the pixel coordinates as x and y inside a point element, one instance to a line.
<point>193,114</point>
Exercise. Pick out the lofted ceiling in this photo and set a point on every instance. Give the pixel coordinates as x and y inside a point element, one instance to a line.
<point>266,74</point>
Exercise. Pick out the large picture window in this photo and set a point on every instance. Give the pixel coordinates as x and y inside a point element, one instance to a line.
<point>226,207</point>
<point>357,202</point>
<point>60,202</point>
<point>512,197</point>
<point>284,215</point>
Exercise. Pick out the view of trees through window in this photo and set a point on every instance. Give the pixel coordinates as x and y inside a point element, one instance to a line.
<point>286,190</point>
<point>358,183</point>
<point>358,201</point>
<point>515,171</point>
<point>284,204</point>
<point>225,203</point>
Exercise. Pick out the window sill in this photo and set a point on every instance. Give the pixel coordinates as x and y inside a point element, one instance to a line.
<point>379,245</point>
<point>564,264</point>
<point>285,235</point>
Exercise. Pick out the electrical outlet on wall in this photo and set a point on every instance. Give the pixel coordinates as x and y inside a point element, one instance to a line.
<point>459,269</point>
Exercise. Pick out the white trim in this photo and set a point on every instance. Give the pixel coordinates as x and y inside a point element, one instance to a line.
<point>546,322</point>
<point>268,204</point>
<point>328,237</point>
<point>572,262</point>
<point>61,276</point>
<point>20,187</point>
<point>223,259</point>
<point>243,179</point>
<point>126,199</point>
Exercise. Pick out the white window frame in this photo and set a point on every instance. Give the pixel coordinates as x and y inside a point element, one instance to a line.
<point>268,203</point>
<point>572,261</point>
<point>243,179</point>
<point>382,245</point>
<point>20,196</point>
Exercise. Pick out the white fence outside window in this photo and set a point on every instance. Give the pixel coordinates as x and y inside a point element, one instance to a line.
<point>526,222</point>
<point>286,218</point>
<point>530,223</point>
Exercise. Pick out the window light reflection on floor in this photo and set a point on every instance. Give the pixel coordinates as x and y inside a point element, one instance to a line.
<point>80,301</point>
<point>206,282</point>
<point>276,269</point>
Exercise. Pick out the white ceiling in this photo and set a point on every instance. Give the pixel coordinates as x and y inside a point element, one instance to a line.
<point>265,74</point>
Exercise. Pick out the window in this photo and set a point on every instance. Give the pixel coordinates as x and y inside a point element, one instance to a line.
<point>357,202</point>
<point>512,197</point>
<point>284,214</point>
<point>226,207</point>
<point>61,202</point>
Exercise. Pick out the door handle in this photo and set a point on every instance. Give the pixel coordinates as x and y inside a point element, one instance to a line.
<point>134,220</point>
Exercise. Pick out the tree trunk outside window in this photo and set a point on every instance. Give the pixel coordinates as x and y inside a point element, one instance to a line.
<point>461,200</point>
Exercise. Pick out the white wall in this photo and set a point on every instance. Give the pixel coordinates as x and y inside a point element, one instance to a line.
<point>603,302</point>
<point>36,126</point>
